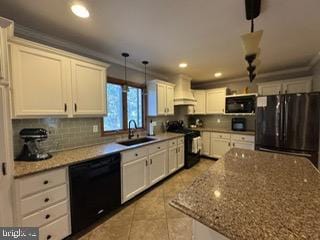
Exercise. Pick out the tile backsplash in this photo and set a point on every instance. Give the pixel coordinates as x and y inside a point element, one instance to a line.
<point>64,133</point>
<point>68,133</point>
<point>223,121</point>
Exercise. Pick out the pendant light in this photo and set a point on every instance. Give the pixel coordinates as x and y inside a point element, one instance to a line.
<point>251,41</point>
<point>145,91</point>
<point>125,86</point>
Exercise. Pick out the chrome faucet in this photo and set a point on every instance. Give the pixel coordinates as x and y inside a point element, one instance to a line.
<point>131,134</point>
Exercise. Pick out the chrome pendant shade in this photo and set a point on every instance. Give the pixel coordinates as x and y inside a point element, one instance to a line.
<point>145,91</point>
<point>251,41</point>
<point>125,86</point>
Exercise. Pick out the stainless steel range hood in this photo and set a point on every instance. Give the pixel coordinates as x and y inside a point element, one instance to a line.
<point>182,92</point>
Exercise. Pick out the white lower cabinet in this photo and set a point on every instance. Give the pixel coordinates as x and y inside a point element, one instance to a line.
<point>219,147</point>
<point>216,144</point>
<point>42,200</point>
<point>172,160</point>
<point>157,166</point>
<point>134,178</point>
<point>206,140</point>
<point>180,156</point>
<point>143,167</point>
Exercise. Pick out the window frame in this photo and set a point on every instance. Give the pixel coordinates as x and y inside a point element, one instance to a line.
<point>125,108</point>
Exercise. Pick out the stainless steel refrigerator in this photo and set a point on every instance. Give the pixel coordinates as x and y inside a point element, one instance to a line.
<point>289,124</point>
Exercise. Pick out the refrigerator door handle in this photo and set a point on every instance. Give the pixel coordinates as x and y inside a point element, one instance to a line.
<point>285,119</point>
<point>283,152</point>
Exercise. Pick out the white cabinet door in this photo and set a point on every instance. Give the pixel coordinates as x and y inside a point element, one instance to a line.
<point>206,139</point>
<point>219,147</point>
<point>272,88</point>
<point>170,100</point>
<point>302,85</point>
<point>243,145</point>
<point>180,156</point>
<point>215,101</point>
<point>4,66</point>
<point>172,160</point>
<point>161,98</point>
<point>200,107</point>
<point>88,89</point>
<point>157,166</point>
<point>134,178</point>
<point>39,82</point>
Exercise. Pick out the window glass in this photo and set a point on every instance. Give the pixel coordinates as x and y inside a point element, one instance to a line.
<point>114,119</point>
<point>134,105</point>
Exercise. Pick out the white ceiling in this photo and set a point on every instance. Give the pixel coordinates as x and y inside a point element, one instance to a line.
<point>203,33</point>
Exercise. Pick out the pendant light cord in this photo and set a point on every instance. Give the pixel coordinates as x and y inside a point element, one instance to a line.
<point>252,21</point>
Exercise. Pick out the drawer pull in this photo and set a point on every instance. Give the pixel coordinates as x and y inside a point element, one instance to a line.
<point>159,147</point>
<point>48,237</point>
<point>150,161</point>
<point>136,154</point>
<point>47,216</point>
<point>45,182</point>
<point>46,200</point>
<point>242,138</point>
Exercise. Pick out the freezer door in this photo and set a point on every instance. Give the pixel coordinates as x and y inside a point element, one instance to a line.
<point>268,121</point>
<point>301,121</point>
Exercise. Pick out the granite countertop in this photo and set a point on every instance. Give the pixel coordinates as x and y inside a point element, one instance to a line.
<point>256,195</point>
<point>223,131</point>
<point>69,157</point>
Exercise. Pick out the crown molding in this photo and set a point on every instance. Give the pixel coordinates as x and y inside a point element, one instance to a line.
<point>314,60</point>
<point>34,35</point>
<point>292,71</point>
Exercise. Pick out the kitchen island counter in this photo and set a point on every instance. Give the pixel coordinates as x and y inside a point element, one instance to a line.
<point>256,195</point>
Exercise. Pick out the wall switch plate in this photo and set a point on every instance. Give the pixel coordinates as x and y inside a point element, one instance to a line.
<point>95,128</point>
<point>154,123</point>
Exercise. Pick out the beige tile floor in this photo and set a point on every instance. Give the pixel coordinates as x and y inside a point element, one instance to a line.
<point>149,216</point>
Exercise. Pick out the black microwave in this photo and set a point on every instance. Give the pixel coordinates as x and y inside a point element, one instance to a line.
<point>241,104</point>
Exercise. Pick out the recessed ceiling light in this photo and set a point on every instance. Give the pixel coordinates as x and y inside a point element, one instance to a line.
<point>80,11</point>
<point>183,65</point>
<point>218,74</point>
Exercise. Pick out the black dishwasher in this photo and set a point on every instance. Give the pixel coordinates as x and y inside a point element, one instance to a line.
<point>95,190</point>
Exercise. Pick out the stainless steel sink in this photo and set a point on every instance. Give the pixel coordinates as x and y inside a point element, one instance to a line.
<point>136,141</point>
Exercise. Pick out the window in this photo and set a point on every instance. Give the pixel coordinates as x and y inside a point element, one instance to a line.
<point>123,107</point>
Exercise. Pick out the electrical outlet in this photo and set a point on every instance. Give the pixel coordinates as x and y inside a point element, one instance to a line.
<point>218,120</point>
<point>154,123</point>
<point>95,128</point>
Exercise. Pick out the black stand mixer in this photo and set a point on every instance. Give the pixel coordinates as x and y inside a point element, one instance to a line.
<point>30,150</point>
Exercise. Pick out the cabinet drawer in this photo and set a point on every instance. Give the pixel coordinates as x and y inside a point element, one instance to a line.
<point>220,135</point>
<point>158,147</point>
<point>180,141</point>
<point>244,138</point>
<point>173,143</point>
<point>56,230</point>
<point>46,215</point>
<point>40,182</point>
<point>43,199</point>
<point>134,154</point>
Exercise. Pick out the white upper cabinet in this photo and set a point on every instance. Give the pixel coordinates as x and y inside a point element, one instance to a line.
<point>215,101</point>
<point>49,82</point>
<point>266,89</point>
<point>298,85</point>
<point>39,82</point>
<point>200,106</point>
<point>4,68</point>
<point>160,98</point>
<point>88,88</point>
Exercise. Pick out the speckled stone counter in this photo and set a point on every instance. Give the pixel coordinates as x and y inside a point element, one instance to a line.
<point>256,195</point>
<point>69,157</point>
<point>203,129</point>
